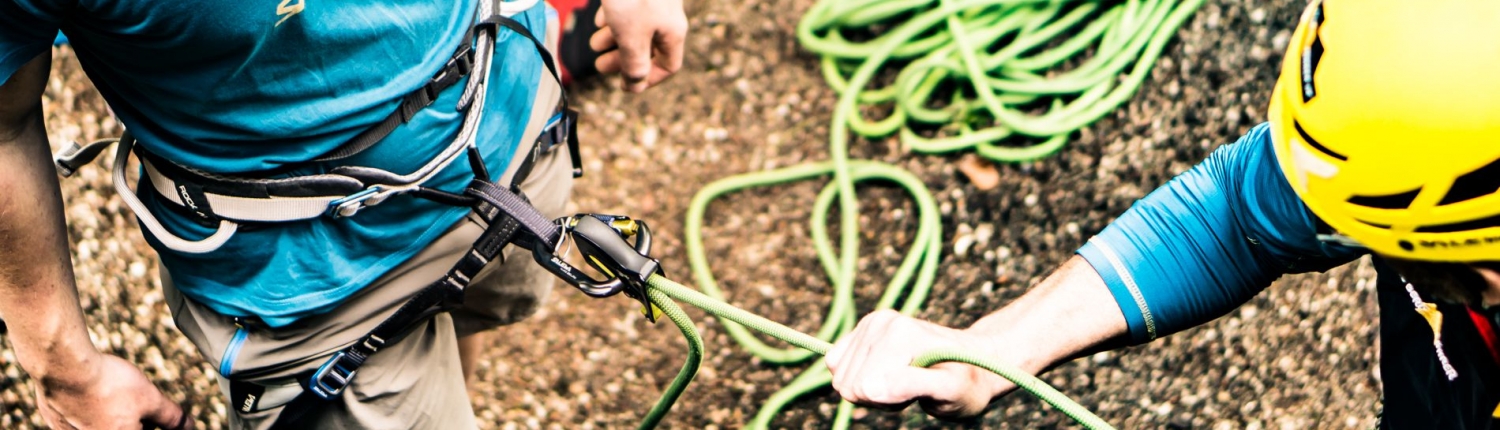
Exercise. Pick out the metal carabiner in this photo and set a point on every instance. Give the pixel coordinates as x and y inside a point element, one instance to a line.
<point>550,260</point>
<point>601,240</point>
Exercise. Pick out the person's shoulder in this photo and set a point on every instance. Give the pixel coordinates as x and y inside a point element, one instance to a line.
<point>1250,155</point>
<point>1257,141</point>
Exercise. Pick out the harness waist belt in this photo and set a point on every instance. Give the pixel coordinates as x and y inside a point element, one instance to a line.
<point>340,193</point>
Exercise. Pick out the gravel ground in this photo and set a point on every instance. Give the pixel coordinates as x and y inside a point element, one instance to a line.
<point>1298,355</point>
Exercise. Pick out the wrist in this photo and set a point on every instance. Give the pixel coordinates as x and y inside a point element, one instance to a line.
<point>63,366</point>
<point>1008,352</point>
<point>1002,337</point>
<point>72,379</point>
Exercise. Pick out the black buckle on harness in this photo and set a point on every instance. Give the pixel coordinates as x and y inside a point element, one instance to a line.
<point>601,239</point>
<point>334,376</point>
<point>458,66</point>
<point>330,380</point>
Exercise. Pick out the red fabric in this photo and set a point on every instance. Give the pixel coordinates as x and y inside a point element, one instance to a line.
<point>565,9</point>
<point>1487,332</point>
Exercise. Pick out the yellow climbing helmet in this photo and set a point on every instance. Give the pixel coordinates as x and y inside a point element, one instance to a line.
<point>1386,121</point>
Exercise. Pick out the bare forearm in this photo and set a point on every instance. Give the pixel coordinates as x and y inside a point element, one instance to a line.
<point>37,295</point>
<point>1071,312</point>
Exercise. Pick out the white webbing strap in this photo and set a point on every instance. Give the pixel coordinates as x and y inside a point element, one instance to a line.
<point>273,209</point>
<point>512,8</point>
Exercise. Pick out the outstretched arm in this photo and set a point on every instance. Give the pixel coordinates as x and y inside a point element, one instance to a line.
<point>1187,253</point>
<point>78,386</point>
<point>1070,313</point>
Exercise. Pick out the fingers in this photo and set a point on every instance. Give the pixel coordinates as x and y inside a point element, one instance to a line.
<point>869,365</point>
<point>669,45</point>
<point>631,55</point>
<point>949,403</point>
<point>602,40</point>
<point>835,354</point>
<point>610,63</point>
<point>864,359</point>
<point>872,366</point>
<point>634,63</point>
<point>931,385</point>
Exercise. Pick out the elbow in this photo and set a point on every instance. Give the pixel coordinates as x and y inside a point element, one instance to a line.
<point>21,98</point>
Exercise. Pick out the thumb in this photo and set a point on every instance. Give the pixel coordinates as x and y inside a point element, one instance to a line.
<point>167,416</point>
<point>836,352</point>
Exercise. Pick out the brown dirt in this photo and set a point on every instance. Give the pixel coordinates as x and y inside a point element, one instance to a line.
<point>1295,356</point>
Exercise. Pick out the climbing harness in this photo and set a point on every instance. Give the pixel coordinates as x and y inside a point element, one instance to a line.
<point>226,201</point>
<point>509,218</point>
<point>979,73</point>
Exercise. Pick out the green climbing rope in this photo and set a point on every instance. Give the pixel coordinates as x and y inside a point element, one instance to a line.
<point>689,367</point>
<point>977,73</point>
<point>914,277</point>
<point>662,288</point>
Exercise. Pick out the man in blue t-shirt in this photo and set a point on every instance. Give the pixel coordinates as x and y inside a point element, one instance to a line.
<point>1382,140</point>
<point>227,103</point>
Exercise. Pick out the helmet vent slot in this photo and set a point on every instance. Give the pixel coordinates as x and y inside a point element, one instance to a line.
<point>1478,183</point>
<point>1389,201</point>
<point>1492,221</point>
<point>1314,142</point>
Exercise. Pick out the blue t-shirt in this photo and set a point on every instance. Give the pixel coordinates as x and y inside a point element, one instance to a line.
<point>1209,240</point>
<point>233,87</point>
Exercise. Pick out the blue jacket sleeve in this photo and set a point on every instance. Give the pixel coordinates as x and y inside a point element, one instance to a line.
<point>1209,240</point>
<point>27,29</point>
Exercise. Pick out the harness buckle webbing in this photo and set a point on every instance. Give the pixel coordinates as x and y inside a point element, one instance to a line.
<point>334,376</point>
<point>348,206</point>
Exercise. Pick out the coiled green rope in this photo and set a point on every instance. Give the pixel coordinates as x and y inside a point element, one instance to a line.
<point>913,278</point>
<point>978,71</point>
